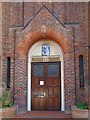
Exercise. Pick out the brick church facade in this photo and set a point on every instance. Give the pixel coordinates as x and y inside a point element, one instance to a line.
<point>44,54</point>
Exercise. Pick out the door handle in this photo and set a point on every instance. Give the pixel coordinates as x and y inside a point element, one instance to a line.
<point>46,92</point>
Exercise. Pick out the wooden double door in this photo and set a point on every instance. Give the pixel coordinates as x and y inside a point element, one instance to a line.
<point>46,86</point>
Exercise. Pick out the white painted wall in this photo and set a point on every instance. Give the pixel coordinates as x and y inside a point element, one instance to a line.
<point>34,51</point>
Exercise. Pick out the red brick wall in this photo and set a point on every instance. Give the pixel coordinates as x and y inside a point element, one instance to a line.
<point>89,50</point>
<point>18,39</point>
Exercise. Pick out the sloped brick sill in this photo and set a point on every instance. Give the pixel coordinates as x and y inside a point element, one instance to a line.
<point>8,112</point>
<point>79,113</point>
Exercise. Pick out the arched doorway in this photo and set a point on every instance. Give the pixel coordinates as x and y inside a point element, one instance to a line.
<point>55,58</point>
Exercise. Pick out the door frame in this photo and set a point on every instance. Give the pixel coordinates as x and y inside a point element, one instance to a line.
<point>29,76</point>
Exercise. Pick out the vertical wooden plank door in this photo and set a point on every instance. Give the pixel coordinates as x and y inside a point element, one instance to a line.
<point>46,86</point>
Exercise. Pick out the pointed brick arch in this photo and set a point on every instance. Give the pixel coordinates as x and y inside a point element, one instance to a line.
<point>59,37</point>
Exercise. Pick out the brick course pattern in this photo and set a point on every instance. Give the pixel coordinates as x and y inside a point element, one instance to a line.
<point>9,112</point>
<point>79,113</point>
<point>66,24</point>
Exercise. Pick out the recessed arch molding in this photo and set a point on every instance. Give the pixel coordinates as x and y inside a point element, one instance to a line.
<point>32,37</point>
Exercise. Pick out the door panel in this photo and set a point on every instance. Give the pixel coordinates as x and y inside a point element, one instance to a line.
<point>50,102</point>
<point>46,96</point>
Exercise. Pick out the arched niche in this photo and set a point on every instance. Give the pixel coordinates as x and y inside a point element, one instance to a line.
<point>34,53</point>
